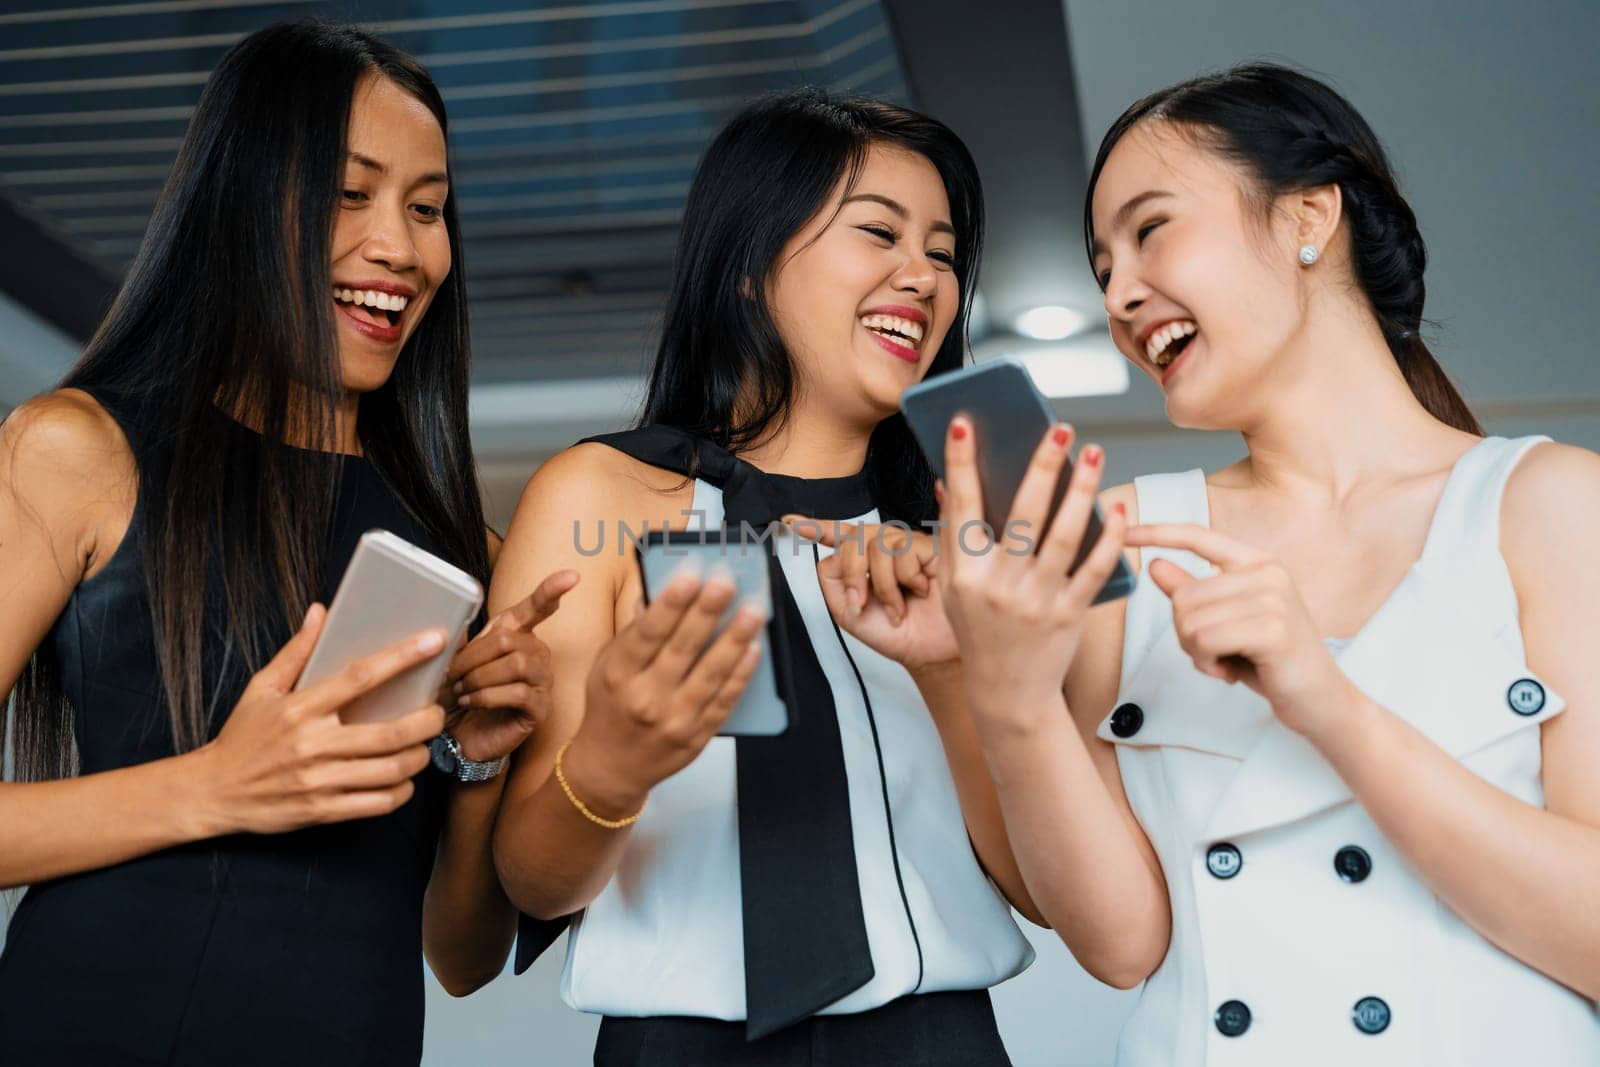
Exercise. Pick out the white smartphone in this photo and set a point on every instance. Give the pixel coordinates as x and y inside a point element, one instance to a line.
<point>392,590</point>
<point>763,709</point>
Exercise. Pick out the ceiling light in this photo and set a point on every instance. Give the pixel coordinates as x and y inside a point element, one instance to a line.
<point>1050,323</point>
<point>1086,365</point>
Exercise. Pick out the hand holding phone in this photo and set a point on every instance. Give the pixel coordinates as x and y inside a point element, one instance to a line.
<point>660,690</point>
<point>1009,417</point>
<point>762,710</point>
<point>1019,619</point>
<point>391,590</point>
<point>283,760</point>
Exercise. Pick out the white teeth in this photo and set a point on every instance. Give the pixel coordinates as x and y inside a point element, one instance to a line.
<point>374,298</point>
<point>1156,347</point>
<point>906,328</point>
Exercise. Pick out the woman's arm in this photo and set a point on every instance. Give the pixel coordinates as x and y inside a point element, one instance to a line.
<point>551,859</point>
<point>1526,878</point>
<point>1023,628</point>
<point>943,691</point>
<point>500,686</point>
<point>636,702</point>
<point>1081,850</point>
<point>284,760</point>
<point>468,924</point>
<point>65,475</point>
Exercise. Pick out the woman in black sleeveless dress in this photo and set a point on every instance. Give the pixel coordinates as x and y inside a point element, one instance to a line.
<point>220,870</point>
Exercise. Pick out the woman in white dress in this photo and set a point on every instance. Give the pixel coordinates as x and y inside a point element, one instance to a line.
<point>1325,783</point>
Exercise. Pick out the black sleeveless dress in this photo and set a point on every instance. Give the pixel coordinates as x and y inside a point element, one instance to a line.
<point>297,948</point>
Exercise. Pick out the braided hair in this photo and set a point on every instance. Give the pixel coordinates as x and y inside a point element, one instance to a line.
<point>1292,132</point>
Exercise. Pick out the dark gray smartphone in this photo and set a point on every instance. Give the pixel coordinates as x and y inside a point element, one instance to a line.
<point>763,708</point>
<point>1009,417</point>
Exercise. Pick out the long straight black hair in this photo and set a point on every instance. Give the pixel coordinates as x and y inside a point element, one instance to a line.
<point>722,370</point>
<point>227,309</point>
<point>1291,132</point>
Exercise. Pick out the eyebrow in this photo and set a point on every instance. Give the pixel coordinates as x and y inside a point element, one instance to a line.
<point>899,209</point>
<point>372,164</point>
<point>1126,210</point>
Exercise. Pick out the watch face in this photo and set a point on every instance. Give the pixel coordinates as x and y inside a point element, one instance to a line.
<point>444,757</point>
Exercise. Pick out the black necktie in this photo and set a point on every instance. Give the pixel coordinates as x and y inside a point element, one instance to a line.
<point>805,937</point>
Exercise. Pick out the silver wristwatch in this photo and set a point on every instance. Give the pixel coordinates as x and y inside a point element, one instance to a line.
<point>448,758</point>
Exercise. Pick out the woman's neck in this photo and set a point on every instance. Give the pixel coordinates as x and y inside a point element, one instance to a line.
<point>1342,416</point>
<point>309,432</point>
<point>810,447</point>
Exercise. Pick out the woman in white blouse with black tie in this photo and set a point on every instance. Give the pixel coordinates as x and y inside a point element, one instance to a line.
<point>1325,783</point>
<point>813,897</point>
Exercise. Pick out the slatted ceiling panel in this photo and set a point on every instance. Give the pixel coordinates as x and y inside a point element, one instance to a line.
<point>575,129</point>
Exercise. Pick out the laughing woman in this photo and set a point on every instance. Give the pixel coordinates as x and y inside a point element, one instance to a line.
<point>809,898</point>
<point>221,871</point>
<point>1325,783</point>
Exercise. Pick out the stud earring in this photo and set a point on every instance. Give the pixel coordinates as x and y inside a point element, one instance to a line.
<point>1308,254</point>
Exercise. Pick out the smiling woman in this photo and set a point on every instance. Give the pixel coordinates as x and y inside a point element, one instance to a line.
<point>1324,784</point>
<point>221,871</point>
<point>812,894</point>
<point>394,183</point>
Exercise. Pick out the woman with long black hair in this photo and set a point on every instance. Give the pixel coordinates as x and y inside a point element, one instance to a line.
<point>1325,783</point>
<point>220,870</point>
<point>811,897</point>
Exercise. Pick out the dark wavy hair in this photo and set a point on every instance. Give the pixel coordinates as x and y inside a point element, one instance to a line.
<point>722,370</point>
<point>226,309</point>
<point>1292,132</point>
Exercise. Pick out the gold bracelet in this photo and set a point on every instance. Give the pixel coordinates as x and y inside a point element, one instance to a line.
<point>609,824</point>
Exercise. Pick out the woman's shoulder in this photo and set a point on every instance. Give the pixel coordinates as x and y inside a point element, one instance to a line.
<point>1550,509</point>
<point>1185,489</point>
<point>1553,473</point>
<point>66,421</point>
<point>591,478</point>
<point>65,463</point>
<point>68,438</point>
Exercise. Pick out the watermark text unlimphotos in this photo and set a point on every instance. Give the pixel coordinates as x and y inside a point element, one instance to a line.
<point>974,537</point>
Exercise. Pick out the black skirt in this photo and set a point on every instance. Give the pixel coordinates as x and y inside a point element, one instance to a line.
<point>955,1029</point>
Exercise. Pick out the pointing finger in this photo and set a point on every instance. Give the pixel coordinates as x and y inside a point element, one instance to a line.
<point>1208,544</point>
<point>1169,577</point>
<point>539,605</point>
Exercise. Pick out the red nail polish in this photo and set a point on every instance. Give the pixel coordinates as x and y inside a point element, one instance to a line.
<point>1092,456</point>
<point>958,431</point>
<point>1120,508</point>
<point>1059,435</point>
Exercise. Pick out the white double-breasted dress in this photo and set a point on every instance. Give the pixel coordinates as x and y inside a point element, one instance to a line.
<point>1299,936</point>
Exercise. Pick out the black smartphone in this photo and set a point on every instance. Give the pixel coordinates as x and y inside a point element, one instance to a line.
<point>1009,417</point>
<point>763,708</point>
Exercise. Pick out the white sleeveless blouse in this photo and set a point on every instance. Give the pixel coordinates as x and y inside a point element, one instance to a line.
<point>665,936</point>
<point>1299,935</point>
